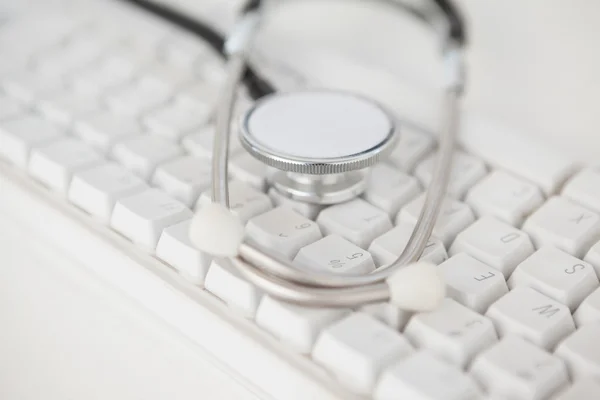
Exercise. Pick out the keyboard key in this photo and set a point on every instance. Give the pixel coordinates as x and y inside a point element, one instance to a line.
<point>244,201</point>
<point>183,178</point>
<point>99,78</point>
<point>494,243</point>
<point>516,369</point>
<point>389,189</point>
<point>517,152</point>
<point>96,190</point>
<point>471,282</point>
<point>141,155</point>
<point>28,86</point>
<point>54,165</point>
<point>589,310</point>
<point>143,216</point>
<point>134,99</point>
<point>296,326</point>
<point>357,348</point>
<point>201,142</point>
<point>422,376</point>
<point>387,313</point>
<point>102,130</point>
<point>556,274</point>
<point>564,224</point>
<point>453,332</point>
<point>174,120</point>
<point>466,171</point>
<point>387,248</point>
<point>584,188</point>
<point>581,352</point>
<point>412,146</point>
<point>9,108</point>
<point>66,107</point>
<point>530,314</point>
<point>281,231</point>
<point>453,218</point>
<point>163,78</point>
<point>505,197</point>
<point>355,220</point>
<point>246,168</point>
<point>593,257</point>
<point>335,254</point>
<point>308,210</point>
<point>587,388</point>
<point>202,96</point>
<point>19,135</point>
<point>174,248</point>
<point>228,285</point>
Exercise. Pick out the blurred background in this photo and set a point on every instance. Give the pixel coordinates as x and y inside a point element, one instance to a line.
<point>533,64</point>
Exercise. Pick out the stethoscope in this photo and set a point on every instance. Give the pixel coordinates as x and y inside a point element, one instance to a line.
<point>285,130</point>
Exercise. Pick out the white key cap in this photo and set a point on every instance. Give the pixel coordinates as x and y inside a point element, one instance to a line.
<point>593,257</point>
<point>453,332</point>
<point>246,168</point>
<point>103,129</point>
<point>174,248</point>
<point>309,210</point>
<point>390,189</point>
<point>494,243</point>
<point>96,190</point>
<point>587,388</point>
<point>335,254</point>
<point>355,220</point>
<point>511,150</point>
<point>466,171</point>
<point>589,310</point>
<point>282,231</point>
<point>387,248</point>
<point>422,376</point>
<point>581,352</point>
<point>28,86</point>
<point>202,96</point>
<point>357,348</point>
<point>516,369</point>
<point>244,201</point>
<point>66,107</point>
<point>134,100</point>
<point>142,154</point>
<point>584,188</point>
<point>471,282</point>
<point>174,120</point>
<point>182,50</point>
<point>9,108</point>
<point>387,313</point>
<point>201,142</point>
<point>505,197</point>
<point>556,274</point>
<point>54,164</point>
<point>19,135</point>
<point>530,314</point>
<point>143,216</point>
<point>228,285</point>
<point>564,224</point>
<point>103,76</point>
<point>163,78</point>
<point>296,326</point>
<point>411,148</point>
<point>453,218</point>
<point>183,178</point>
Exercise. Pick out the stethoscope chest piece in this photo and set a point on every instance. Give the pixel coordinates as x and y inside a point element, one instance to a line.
<point>320,143</point>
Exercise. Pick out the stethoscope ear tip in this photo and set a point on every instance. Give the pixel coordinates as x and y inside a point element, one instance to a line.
<point>216,231</point>
<point>417,287</point>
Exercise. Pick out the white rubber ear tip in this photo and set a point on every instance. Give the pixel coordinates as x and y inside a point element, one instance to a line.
<point>417,287</point>
<point>216,231</point>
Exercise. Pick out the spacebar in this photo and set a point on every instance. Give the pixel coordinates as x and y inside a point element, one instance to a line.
<point>516,152</point>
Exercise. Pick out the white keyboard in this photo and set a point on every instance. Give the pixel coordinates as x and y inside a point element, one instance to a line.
<point>106,115</point>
